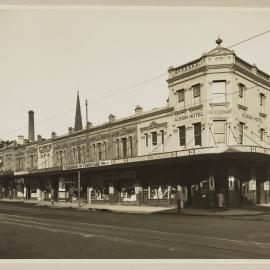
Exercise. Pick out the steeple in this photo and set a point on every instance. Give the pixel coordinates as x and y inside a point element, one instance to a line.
<point>78,116</point>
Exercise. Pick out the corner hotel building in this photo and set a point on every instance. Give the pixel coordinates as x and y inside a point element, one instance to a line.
<point>212,137</point>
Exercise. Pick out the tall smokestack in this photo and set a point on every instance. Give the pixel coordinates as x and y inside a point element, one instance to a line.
<point>31,126</point>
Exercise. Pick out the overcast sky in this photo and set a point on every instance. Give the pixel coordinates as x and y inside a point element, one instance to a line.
<point>46,55</point>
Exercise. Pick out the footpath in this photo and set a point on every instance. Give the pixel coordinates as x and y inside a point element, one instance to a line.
<point>241,211</point>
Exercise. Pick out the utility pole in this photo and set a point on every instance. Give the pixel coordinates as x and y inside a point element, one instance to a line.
<point>86,111</point>
<point>79,187</point>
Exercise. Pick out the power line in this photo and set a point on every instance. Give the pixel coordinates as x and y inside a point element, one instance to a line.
<point>126,89</point>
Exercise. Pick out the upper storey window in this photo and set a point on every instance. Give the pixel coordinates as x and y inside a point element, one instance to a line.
<point>219,92</point>
<point>181,97</point>
<point>154,138</point>
<point>262,103</point>
<point>196,94</point>
<point>242,90</point>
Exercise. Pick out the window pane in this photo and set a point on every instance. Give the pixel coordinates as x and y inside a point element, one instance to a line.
<point>197,134</point>
<point>219,91</point>
<point>154,138</point>
<point>196,90</point>
<point>219,87</point>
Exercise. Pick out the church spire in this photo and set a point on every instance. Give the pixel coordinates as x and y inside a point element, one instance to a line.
<point>78,116</point>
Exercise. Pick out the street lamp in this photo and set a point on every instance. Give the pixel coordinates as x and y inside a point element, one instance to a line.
<point>79,187</point>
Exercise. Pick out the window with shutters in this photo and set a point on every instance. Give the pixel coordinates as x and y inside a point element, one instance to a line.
<point>219,131</point>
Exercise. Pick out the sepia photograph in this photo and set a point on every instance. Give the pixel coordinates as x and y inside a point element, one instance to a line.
<point>135,134</point>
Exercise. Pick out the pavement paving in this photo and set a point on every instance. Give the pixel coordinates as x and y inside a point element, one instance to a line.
<point>242,211</point>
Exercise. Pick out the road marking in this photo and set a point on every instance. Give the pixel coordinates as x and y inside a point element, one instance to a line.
<point>149,231</point>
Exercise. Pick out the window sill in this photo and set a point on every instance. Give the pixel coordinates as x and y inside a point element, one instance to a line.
<point>262,114</point>
<point>220,104</point>
<point>243,107</point>
<point>197,107</point>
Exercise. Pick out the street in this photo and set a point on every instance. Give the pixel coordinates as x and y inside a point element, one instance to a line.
<point>32,232</point>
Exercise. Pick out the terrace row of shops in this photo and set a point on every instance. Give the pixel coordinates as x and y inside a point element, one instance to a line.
<point>236,179</point>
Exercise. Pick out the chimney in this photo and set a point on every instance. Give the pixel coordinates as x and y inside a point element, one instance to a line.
<point>70,130</point>
<point>89,124</point>
<point>39,138</point>
<point>31,126</point>
<point>138,109</point>
<point>112,118</point>
<point>20,139</point>
<point>53,135</point>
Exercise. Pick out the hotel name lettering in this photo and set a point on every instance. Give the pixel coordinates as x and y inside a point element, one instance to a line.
<point>248,116</point>
<point>188,116</point>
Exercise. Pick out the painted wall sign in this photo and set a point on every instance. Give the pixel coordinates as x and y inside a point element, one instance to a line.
<point>87,165</point>
<point>220,112</point>
<point>251,117</point>
<point>188,116</point>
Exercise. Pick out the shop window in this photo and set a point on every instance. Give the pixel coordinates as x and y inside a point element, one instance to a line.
<point>173,193</point>
<point>211,182</point>
<point>182,135</point>
<point>196,94</point>
<point>262,103</point>
<point>266,186</point>
<point>241,132</point>
<point>231,182</point>
<point>159,192</point>
<point>219,131</point>
<point>197,134</point>
<point>242,90</point>
<point>252,184</point>
<point>154,138</point>
<point>128,194</point>
<point>100,193</point>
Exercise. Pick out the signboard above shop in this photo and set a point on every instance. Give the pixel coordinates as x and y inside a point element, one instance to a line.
<point>87,165</point>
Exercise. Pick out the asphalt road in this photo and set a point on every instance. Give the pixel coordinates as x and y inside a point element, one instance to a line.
<point>30,232</point>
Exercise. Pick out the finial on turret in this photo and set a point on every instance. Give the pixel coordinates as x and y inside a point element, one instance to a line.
<point>219,41</point>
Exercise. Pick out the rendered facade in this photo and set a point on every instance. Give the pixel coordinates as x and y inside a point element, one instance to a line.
<point>211,140</point>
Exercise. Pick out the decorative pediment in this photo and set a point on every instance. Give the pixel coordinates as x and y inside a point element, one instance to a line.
<point>155,125</point>
<point>45,149</point>
<point>123,132</point>
<point>219,51</point>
